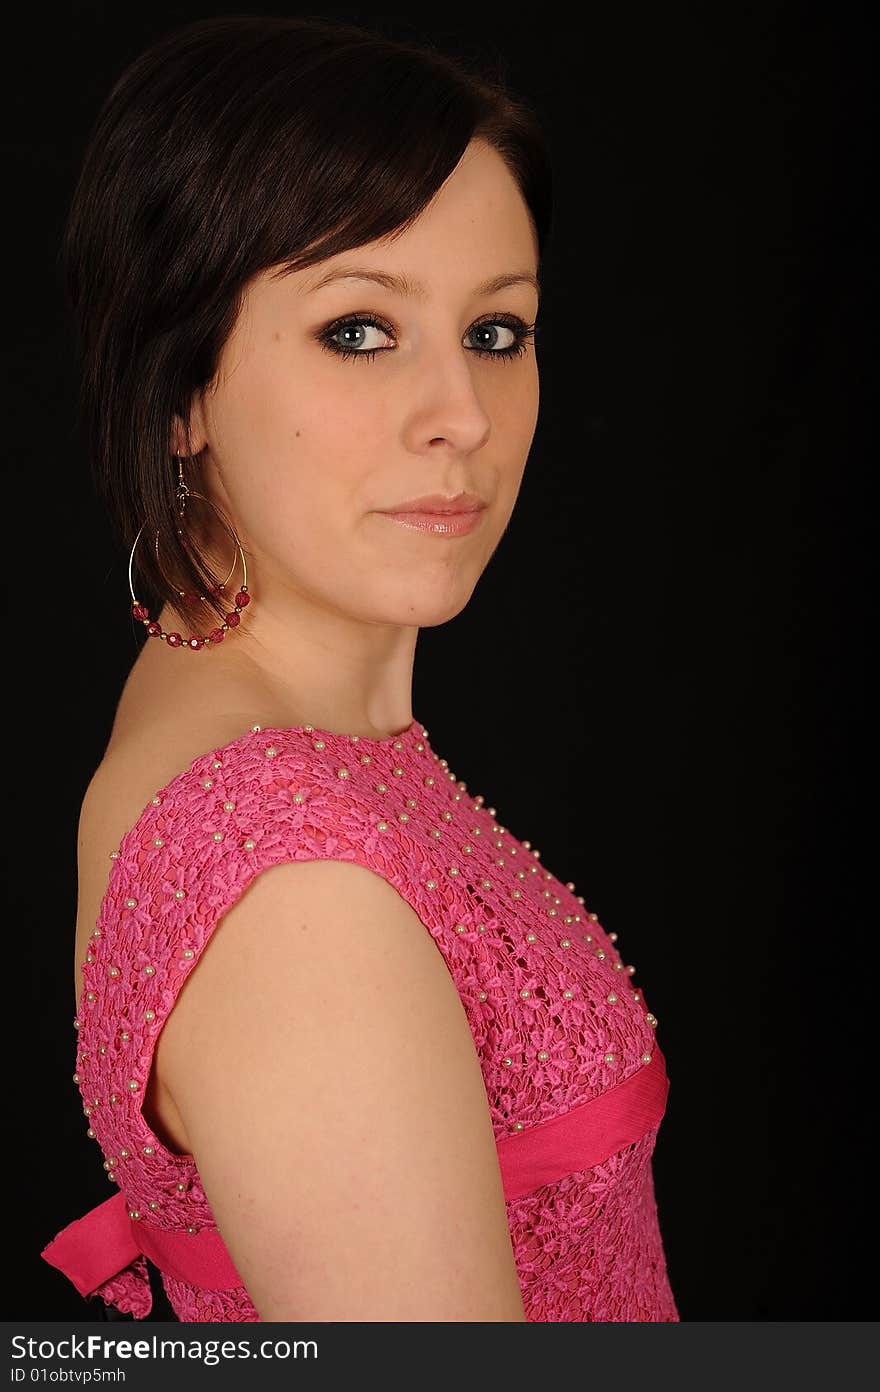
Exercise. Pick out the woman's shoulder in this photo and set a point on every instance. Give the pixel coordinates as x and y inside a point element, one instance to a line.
<point>196,786</point>
<point>142,761</point>
<point>165,722</point>
<point>211,782</point>
<point>157,740</point>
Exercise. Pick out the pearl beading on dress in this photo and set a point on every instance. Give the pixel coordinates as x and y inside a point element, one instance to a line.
<point>550,1031</point>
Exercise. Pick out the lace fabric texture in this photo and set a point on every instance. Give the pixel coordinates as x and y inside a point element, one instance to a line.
<point>555,1018</point>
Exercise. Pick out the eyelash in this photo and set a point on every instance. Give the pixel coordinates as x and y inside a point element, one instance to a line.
<point>508,321</point>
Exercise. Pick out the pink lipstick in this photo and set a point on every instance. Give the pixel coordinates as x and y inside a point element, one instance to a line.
<point>439,515</point>
<point>439,523</point>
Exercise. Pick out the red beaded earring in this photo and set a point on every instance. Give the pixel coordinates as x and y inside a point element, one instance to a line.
<point>242,598</point>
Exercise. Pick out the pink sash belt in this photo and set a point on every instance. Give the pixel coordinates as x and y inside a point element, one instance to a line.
<point>94,1248</point>
<point>587,1134</point>
<point>98,1246</point>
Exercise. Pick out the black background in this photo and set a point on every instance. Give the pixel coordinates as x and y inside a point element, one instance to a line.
<point>660,679</point>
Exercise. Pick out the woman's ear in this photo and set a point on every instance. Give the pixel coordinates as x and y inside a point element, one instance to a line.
<point>198,438</point>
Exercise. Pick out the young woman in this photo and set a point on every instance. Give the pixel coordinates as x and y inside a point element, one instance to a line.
<point>349,1051</point>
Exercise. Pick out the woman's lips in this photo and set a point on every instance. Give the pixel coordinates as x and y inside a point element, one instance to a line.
<point>438,523</point>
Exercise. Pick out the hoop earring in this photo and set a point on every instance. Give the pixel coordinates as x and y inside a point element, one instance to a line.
<point>233,618</point>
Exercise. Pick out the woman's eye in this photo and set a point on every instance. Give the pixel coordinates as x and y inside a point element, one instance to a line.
<point>489,338</point>
<point>355,337</point>
<point>493,338</point>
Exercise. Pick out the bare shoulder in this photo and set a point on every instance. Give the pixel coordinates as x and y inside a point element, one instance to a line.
<point>165,720</point>
<point>145,752</point>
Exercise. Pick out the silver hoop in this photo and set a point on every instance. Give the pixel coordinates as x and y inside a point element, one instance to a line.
<point>182,495</point>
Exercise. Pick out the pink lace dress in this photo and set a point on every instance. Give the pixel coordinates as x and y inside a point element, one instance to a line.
<point>575,1080</point>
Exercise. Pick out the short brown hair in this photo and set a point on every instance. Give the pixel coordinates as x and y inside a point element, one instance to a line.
<point>234,144</point>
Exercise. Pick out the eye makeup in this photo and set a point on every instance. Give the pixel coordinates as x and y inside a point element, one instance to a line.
<point>522,331</point>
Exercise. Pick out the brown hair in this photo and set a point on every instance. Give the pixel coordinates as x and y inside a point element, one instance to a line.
<point>231,145</point>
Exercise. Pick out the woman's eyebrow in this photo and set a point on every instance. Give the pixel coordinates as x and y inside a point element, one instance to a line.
<point>414,288</point>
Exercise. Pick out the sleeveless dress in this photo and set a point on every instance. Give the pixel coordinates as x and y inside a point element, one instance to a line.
<point>575,1080</point>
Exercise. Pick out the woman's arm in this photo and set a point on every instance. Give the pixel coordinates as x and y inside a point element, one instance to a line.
<point>323,1066</point>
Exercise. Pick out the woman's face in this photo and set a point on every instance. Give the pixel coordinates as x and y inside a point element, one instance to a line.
<point>306,447</point>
